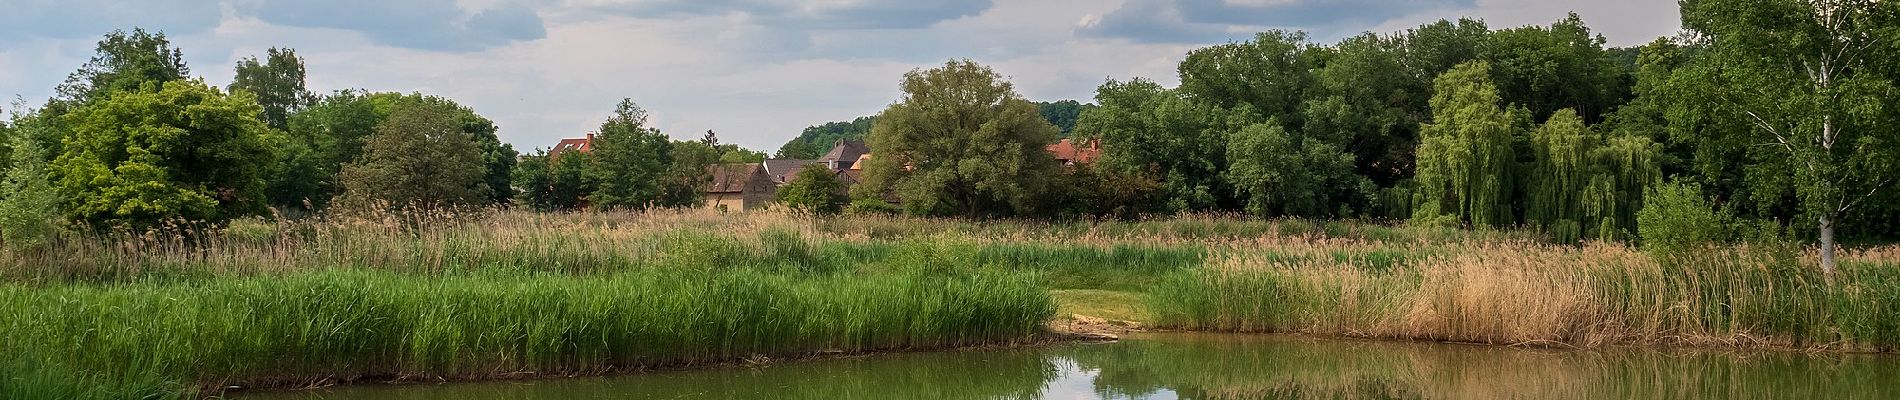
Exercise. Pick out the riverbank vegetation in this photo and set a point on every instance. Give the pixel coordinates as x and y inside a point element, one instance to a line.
<point>517,294</point>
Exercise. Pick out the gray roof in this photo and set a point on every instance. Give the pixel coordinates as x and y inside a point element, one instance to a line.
<point>846,151</point>
<point>784,170</point>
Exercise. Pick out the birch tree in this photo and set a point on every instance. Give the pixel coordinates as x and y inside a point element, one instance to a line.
<point>1807,82</point>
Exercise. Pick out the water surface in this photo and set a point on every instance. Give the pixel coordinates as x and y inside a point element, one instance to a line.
<point>1210,366</point>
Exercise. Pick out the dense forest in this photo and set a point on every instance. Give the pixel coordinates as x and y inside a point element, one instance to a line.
<point>1757,118</point>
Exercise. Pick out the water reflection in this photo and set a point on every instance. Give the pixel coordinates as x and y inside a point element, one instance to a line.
<point>1186,366</point>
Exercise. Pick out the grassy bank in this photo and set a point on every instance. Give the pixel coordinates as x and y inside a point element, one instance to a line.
<point>1526,293</point>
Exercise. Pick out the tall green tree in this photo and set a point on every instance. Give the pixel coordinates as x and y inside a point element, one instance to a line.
<point>1269,75</point>
<point>1813,82</point>
<point>420,157</point>
<point>1465,156</point>
<point>1560,66</point>
<point>278,83</point>
<point>683,183</point>
<point>1281,174</point>
<point>960,141</point>
<point>1062,113</point>
<point>1368,103</point>
<point>323,137</point>
<point>123,62</point>
<point>630,161</point>
<point>333,131</point>
<point>171,151</point>
<point>553,183</point>
<point>1148,129</point>
<point>29,204</point>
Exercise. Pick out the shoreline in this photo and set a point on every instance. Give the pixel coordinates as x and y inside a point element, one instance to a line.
<point>1042,339</point>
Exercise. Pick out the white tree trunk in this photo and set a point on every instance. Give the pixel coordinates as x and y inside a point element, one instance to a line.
<point>1827,249</point>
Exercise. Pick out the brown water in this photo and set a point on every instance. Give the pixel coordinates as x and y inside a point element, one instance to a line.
<point>1206,366</point>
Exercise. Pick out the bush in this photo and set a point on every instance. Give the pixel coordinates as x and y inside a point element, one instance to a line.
<point>815,191</point>
<point>872,207</point>
<point>29,207</point>
<point>1677,218</point>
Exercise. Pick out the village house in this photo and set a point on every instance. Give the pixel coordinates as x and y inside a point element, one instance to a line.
<point>844,154</point>
<point>751,186</point>
<point>1067,153</point>
<point>580,144</point>
<point>739,187</point>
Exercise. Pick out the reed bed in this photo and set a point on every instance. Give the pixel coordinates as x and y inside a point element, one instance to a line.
<point>502,294</point>
<point>1529,293</point>
<point>344,325</point>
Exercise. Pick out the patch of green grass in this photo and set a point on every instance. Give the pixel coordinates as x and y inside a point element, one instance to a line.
<point>1113,305</point>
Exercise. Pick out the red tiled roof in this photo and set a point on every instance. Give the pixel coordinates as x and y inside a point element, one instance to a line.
<point>580,144</point>
<point>1066,151</point>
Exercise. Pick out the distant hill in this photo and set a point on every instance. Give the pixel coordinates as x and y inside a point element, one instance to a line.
<point>816,140</point>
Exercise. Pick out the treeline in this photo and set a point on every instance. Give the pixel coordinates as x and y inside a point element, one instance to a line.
<point>1756,119</point>
<point>131,141</point>
<point>815,140</point>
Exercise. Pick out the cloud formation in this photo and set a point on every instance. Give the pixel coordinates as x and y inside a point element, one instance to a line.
<point>860,14</point>
<point>1212,21</point>
<point>439,25</point>
<point>90,18</point>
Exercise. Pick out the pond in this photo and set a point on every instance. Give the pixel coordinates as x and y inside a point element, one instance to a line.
<point>1215,366</point>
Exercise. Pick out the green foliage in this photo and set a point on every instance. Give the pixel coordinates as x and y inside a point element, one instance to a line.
<point>1562,66</point>
<point>278,83</point>
<point>550,183</point>
<point>1288,175</point>
<point>1677,219</point>
<point>1152,130</point>
<point>1062,114</point>
<point>180,151</point>
<point>960,142</point>
<point>1585,185</point>
<point>814,141</point>
<point>630,162</point>
<point>324,136</point>
<point>1269,75</point>
<point>123,62</point>
<point>1088,190</point>
<point>29,204</point>
<point>419,157</point>
<point>332,132</point>
<point>814,190</point>
<point>1795,98</point>
<point>1465,156</point>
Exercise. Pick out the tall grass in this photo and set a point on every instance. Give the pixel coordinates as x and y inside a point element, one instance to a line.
<point>1518,293</point>
<point>344,325</point>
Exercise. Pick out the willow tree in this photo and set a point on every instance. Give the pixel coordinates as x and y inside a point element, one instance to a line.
<point>1464,153</point>
<point>1813,81</point>
<point>1583,184</point>
<point>960,141</point>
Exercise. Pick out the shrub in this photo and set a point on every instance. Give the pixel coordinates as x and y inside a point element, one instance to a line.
<point>29,207</point>
<point>1676,218</point>
<point>815,191</point>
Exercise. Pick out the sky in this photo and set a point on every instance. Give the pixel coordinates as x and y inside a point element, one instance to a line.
<point>755,71</point>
